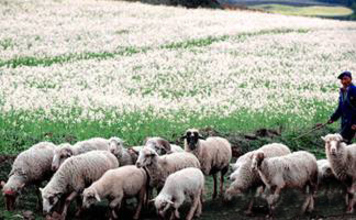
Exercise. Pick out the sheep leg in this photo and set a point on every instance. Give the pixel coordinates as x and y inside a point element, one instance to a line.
<point>250,206</point>
<point>215,182</point>
<point>351,198</point>
<point>140,200</point>
<point>39,198</point>
<point>67,203</point>
<point>176,213</point>
<point>115,205</point>
<point>79,207</point>
<point>194,207</point>
<point>200,206</point>
<point>222,174</point>
<point>272,200</point>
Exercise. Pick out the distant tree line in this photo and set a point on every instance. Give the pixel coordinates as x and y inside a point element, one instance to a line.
<point>186,3</point>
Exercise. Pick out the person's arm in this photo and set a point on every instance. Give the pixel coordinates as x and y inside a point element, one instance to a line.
<point>337,114</point>
<point>352,102</point>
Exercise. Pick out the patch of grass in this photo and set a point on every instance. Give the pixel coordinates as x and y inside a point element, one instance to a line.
<point>48,61</point>
<point>6,43</point>
<point>21,129</point>
<point>322,11</point>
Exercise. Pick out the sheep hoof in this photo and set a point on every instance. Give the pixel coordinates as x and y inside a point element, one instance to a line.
<point>350,210</point>
<point>248,212</point>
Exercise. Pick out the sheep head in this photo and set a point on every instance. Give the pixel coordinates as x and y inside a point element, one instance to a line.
<point>333,143</point>
<point>231,192</point>
<point>63,152</point>
<point>116,146</point>
<point>90,196</point>
<point>163,205</point>
<point>11,190</point>
<point>50,199</point>
<point>146,157</point>
<point>257,160</point>
<point>160,145</point>
<point>192,137</point>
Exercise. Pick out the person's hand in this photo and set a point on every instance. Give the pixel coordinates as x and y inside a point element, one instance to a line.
<point>330,121</point>
<point>353,127</point>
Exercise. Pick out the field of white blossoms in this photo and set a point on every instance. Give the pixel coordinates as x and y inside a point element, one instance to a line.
<point>101,68</point>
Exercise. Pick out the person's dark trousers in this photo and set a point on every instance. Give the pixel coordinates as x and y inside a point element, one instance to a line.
<point>347,133</point>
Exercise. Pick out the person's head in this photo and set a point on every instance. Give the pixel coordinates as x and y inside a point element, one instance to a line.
<point>345,78</point>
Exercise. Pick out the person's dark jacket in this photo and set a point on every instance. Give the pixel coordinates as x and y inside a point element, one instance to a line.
<point>346,108</point>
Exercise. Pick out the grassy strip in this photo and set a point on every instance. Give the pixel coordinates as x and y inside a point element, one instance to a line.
<point>202,42</point>
<point>48,61</point>
<point>128,51</point>
<point>19,130</point>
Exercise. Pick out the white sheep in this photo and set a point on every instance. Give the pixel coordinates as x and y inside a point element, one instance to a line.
<point>162,146</point>
<point>183,184</point>
<point>117,184</point>
<point>296,170</point>
<point>326,176</point>
<point>342,160</point>
<point>124,156</point>
<point>244,178</point>
<point>30,167</point>
<point>67,150</point>
<point>159,167</point>
<point>214,155</point>
<point>74,175</point>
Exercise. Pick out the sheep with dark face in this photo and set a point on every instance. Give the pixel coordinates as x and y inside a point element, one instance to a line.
<point>214,155</point>
<point>342,160</point>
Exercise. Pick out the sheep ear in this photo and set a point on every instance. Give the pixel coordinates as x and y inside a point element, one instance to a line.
<point>323,138</point>
<point>200,137</point>
<point>166,144</point>
<point>41,189</point>
<point>170,202</point>
<point>231,164</point>
<point>183,137</point>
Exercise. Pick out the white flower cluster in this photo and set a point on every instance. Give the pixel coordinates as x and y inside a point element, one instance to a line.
<point>267,63</point>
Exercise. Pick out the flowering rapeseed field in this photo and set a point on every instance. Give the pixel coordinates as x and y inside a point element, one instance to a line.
<point>100,68</point>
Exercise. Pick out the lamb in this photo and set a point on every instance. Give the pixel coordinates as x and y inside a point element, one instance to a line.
<point>30,167</point>
<point>326,175</point>
<point>162,146</point>
<point>159,167</point>
<point>186,182</point>
<point>67,150</point>
<point>342,160</point>
<point>124,156</point>
<point>296,170</point>
<point>214,155</point>
<point>117,184</point>
<point>74,175</point>
<point>244,178</point>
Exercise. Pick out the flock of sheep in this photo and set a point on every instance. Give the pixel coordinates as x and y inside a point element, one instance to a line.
<point>97,169</point>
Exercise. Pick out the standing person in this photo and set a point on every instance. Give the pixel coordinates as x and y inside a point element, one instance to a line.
<point>346,108</point>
